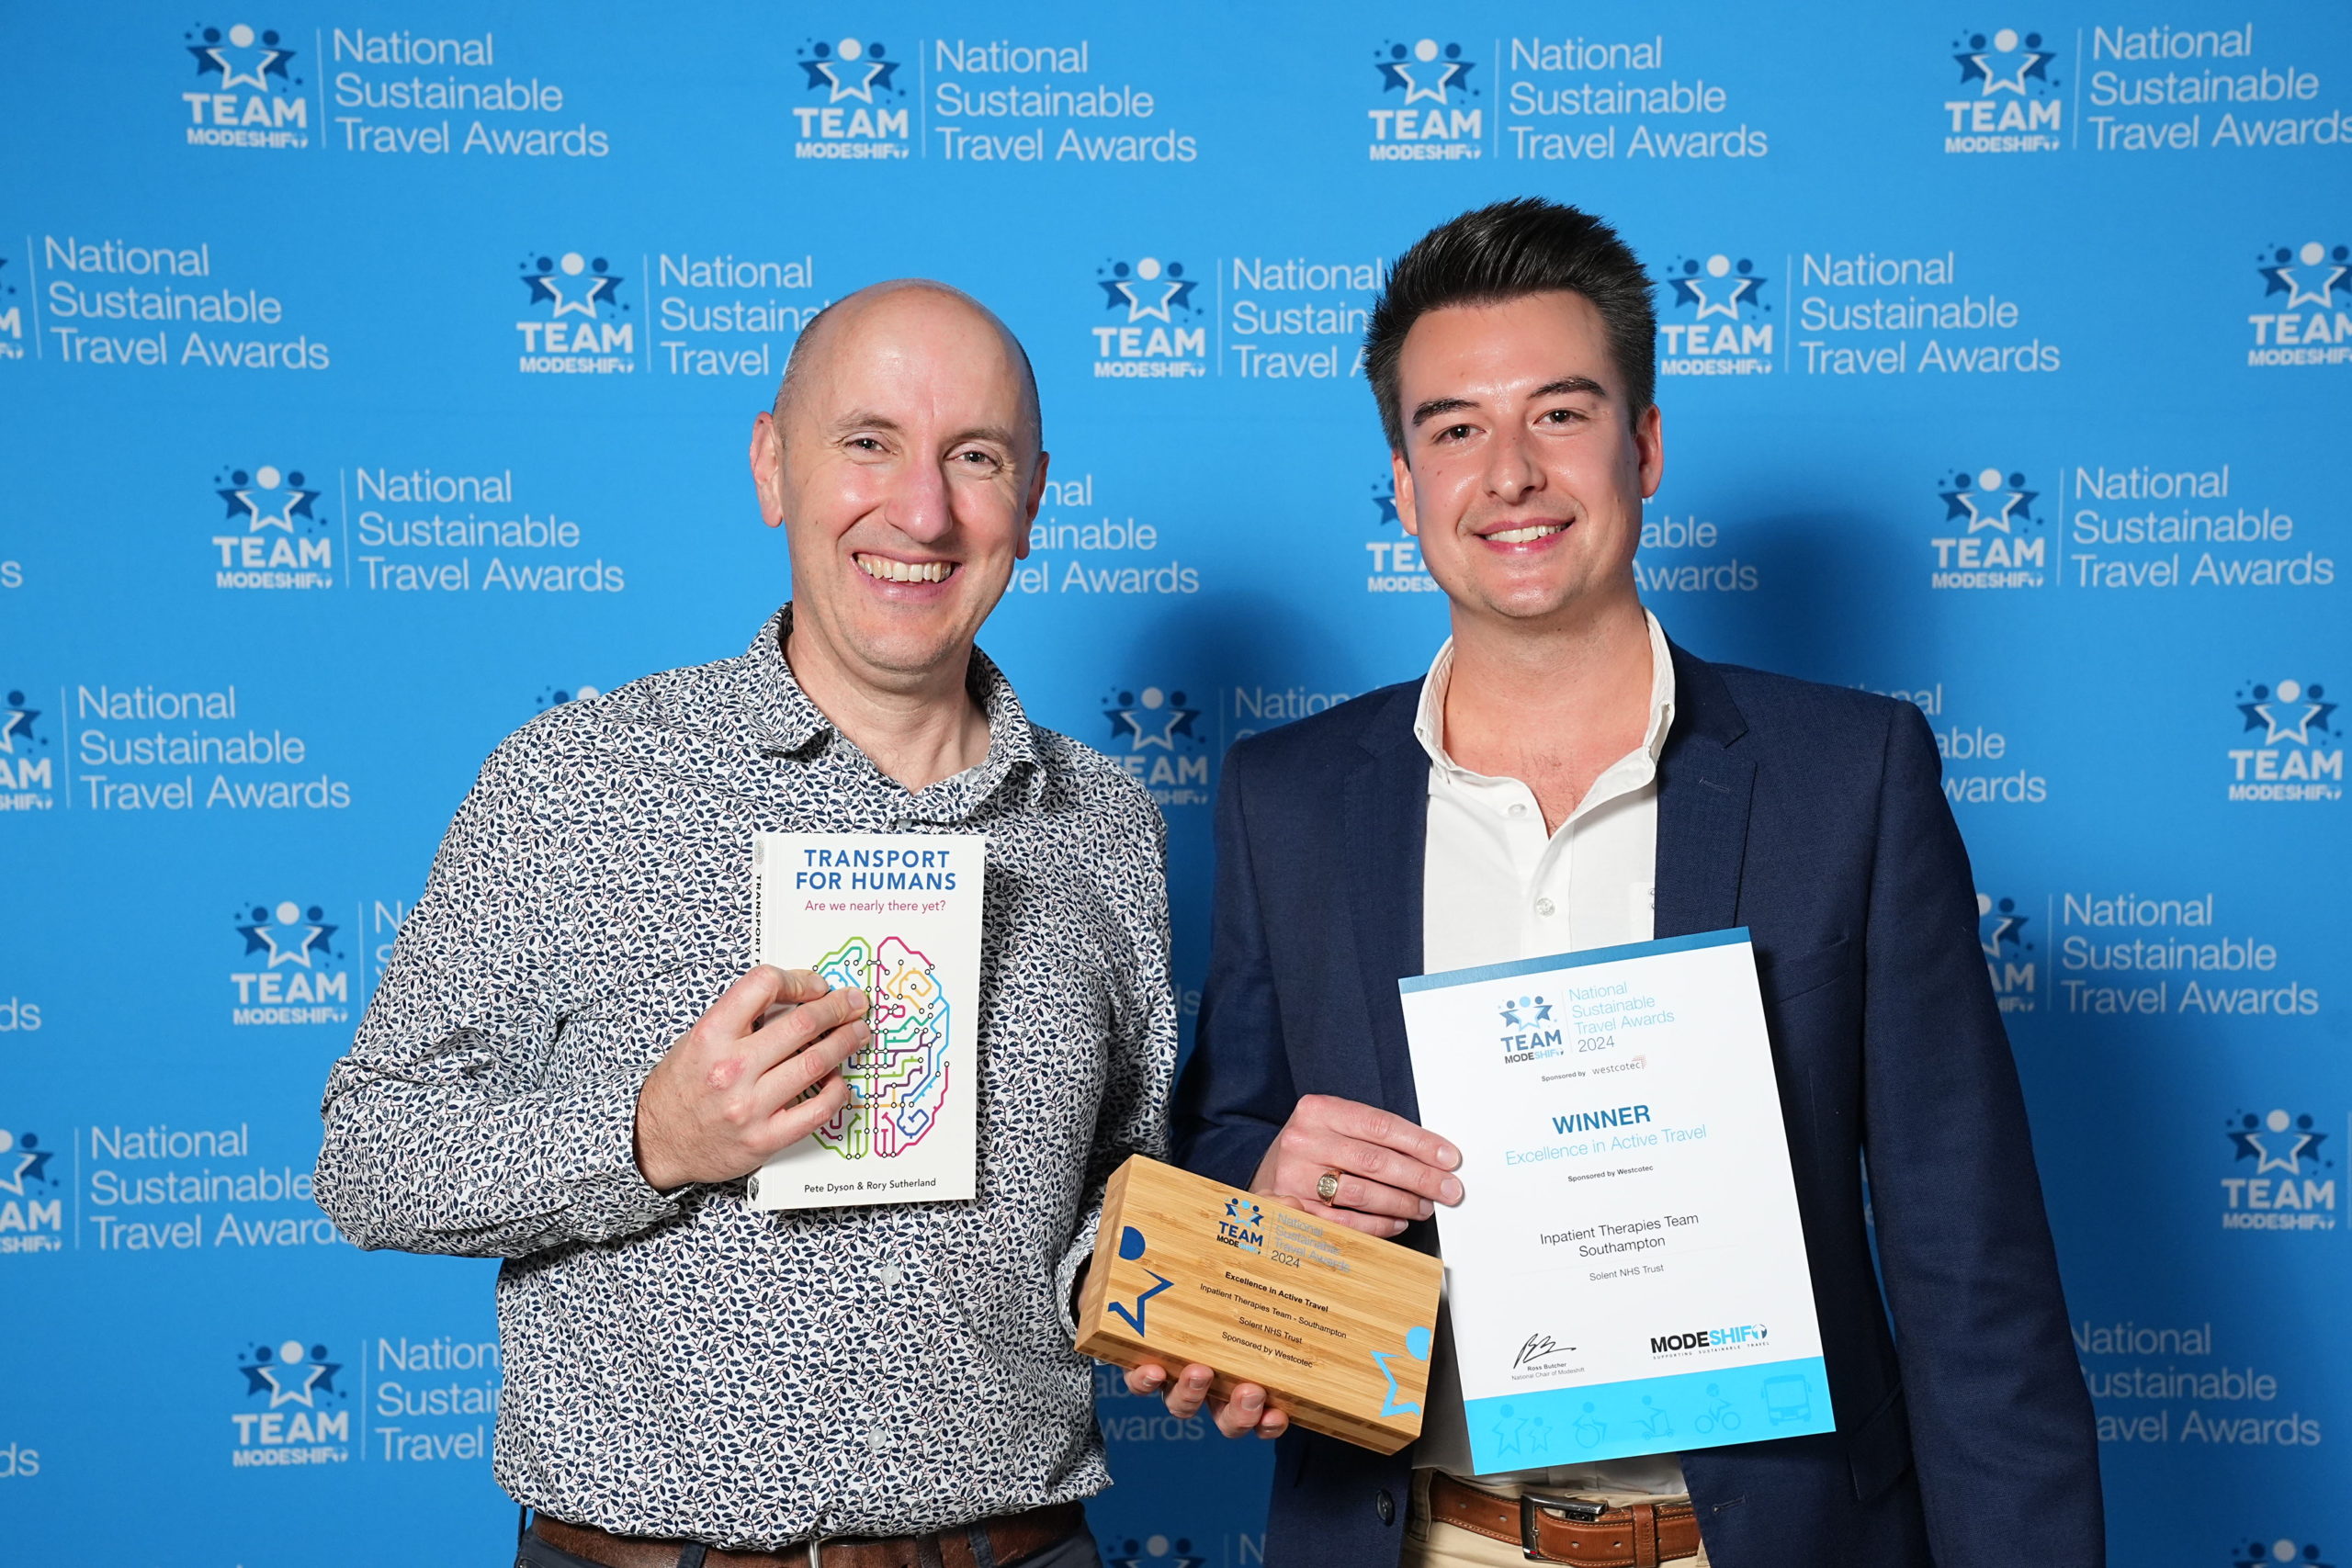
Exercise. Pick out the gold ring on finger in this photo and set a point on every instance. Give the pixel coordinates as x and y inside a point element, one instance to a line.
<point>1326,1187</point>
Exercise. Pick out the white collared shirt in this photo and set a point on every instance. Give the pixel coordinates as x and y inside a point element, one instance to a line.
<point>1497,886</point>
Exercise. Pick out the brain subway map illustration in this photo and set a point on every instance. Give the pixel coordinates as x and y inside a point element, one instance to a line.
<point>897,1084</point>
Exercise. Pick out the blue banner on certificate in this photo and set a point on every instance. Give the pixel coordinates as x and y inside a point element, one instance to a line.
<point>1625,1272</point>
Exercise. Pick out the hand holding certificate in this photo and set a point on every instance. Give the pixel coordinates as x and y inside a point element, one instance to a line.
<point>1626,1272</point>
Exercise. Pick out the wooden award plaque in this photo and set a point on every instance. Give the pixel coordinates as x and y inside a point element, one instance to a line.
<point>1334,1324</point>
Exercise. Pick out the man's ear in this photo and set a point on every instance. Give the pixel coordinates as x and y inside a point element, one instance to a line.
<point>767,468</point>
<point>1650,444</point>
<point>1403,473</point>
<point>1036,499</point>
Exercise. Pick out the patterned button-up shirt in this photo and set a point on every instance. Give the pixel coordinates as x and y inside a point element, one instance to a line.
<point>680,1365</point>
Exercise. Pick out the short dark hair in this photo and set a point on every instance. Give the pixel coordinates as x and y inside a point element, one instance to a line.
<point>1505,251</point>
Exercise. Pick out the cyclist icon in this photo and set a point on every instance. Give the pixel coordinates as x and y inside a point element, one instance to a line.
<point>1656,1424</point>
<point>1720,1413</point>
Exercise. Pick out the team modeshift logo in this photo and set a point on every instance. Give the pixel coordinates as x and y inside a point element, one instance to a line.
<point>248,96</point>
<point>292,972</point>
<point>2008,101</point>
<point>277,539</point>
<point>12,316</point>
<point>32,1215</point>
<point>583,332</point>
<point>28,777</point>
<point>1155,739</point>
<point>2274,1553</point>
<point>857,107</point>
<point>292,1411</point>
<point>2312,324</point>
<point>1156,1552</point>
<point>1990,537</point>
<point>1528,1032</point>
<point>2281,1178</point>
<point>1725,335</point>
<point>1242,1227</point>
<point>2009,954</point>
<point>2296,753</point>
<point>1158,329</point>
<point>556,696</point>
<point>1428,109</point>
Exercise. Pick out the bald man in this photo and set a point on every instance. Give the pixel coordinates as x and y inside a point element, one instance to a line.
<point>544,1076</point>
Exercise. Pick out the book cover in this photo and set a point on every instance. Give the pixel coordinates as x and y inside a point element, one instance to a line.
<point>897,915</point>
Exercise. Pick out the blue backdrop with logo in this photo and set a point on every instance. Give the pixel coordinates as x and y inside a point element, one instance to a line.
<point>378,376</point>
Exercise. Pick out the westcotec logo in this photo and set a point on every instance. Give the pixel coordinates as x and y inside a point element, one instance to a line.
<point>2008,100</point>
<point>2002,543</point>
<point>251,97</point>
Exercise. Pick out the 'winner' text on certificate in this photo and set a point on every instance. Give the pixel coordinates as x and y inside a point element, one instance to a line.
<point>1625,1272</point>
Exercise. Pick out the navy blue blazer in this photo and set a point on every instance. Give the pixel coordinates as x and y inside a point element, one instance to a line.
<point>1814,817</point>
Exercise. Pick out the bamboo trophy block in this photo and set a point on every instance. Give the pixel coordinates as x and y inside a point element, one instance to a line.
<point>1333,1324</point>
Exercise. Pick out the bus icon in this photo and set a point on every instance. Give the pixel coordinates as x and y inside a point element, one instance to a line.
<point>1788,1400</point>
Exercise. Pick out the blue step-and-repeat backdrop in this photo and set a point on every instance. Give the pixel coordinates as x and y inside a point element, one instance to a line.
<point>377,375</point>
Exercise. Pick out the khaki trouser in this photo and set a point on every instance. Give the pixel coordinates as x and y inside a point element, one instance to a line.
<point>1430,1544</point>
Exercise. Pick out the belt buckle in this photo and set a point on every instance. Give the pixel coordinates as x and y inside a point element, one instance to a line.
<point>1578,1510</point>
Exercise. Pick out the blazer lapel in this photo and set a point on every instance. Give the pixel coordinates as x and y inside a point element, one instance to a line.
<point>1704,787</point>
<point>1385,827</point>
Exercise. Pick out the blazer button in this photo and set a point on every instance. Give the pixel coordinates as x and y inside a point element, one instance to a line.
<point>1385,1506</point>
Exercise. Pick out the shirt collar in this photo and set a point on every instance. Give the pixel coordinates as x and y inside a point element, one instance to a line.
<point>1429,719</point>
<point>785,719</point>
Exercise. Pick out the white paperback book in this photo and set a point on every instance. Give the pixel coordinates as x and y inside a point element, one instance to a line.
<point>898,915</point>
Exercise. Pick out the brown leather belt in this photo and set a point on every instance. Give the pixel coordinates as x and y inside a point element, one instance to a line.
<point>1552,1529</point>
<point>991,1543</point>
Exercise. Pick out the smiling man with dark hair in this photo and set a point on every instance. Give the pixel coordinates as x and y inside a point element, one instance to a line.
<point>1565,778</point>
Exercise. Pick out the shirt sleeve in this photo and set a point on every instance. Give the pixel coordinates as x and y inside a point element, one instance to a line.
<point>444,1130</point>
<point>1133,1118</point>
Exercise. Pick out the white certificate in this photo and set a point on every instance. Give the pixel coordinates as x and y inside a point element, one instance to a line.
<point>897,915</point>
<point>1625,1270</point>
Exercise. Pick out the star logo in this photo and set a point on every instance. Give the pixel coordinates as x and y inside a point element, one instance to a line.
<point>1718,285</point>
<point>1423,71</point>
<point>2276,1141</point>
<point>1526,1011</point>
<point>291,1373</point>
<point>1150,289</point>
<point>2289,710</point>
<point>2004,63</point>
<point>1999,928</point>
<point>571,283</point>
<point>2272,1553</point>
<point>1150,717</point>
<point>1384,500</point>
<point>2309,274</point>
<point>1131,1245</point>
<point>289,933</point>
<point>849,70</point>
<point>1157,1551</point>
<point>1988,500</point>
<point>267,499</point>
<point>16,724</point>
<point>240,58</point>
<point>22,1159</point>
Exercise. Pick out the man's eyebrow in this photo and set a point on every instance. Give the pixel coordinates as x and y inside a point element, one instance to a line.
<point>1436,406</point>
<point>996,433</point>
<point>866,419</point>
<point>1567,386</point>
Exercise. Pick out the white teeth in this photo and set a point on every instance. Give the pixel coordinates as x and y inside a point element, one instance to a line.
<point>886,570</point>
<point>1523,536</point>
